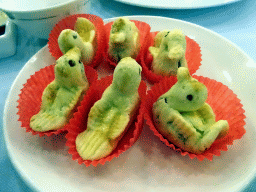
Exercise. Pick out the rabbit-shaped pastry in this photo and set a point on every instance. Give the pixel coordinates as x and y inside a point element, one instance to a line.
<point>183,117</point>
<point>62,95</point>
<point>83,37</point>
<point>124,40</point>
<point>168,52</point>
<point>110,116</point>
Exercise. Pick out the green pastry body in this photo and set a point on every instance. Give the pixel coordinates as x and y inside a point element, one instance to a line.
<point>83,37</point>
<point>183,117</point>
<point>62,95</point>
<point>110,116</point>
<point>124,40</point>
<point>168,52</point>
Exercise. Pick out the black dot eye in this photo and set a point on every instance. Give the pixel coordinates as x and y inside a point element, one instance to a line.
<point>165,100</point>
<point>179,64</point>
<point>118,58</point>
<point>71,63</point>
<point>140,71</point>
<point>190,97</point>
<point>74,36</point>
<point>80,61</point>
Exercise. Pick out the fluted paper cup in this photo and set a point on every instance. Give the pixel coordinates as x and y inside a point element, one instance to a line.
<point>30,97</point>
<point>79,123</point>
<point>225,105</point>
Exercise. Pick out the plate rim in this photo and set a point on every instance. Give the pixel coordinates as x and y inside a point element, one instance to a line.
<point>166,7</point>
<point>6,138</point>
<point>19,169</point>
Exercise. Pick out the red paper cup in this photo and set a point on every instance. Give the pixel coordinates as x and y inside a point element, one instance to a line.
<point>224,103</point>
<point>69,23</point>
<point>79,123</point>
<point>192,55</point>
<point>144,30</point>
<point>30,98</point>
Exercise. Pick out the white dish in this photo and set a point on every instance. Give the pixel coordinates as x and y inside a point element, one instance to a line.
<point>8,40</point>
<point>149,165</point>
<point>40,28</point>
<point>38,18</point>
<point>178,4</point>
<point>29,9</point>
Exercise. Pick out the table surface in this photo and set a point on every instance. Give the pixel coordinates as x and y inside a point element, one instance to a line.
<point>236,22</point>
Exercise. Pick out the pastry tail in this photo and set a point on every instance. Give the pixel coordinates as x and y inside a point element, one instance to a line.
<point>43,121</point>
<point>217,130</point>
<point>93,145</point>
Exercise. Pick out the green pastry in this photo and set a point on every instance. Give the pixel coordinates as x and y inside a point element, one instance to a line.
<point>110,116</point>
<point>62,95</point>
<point>124,40</point>
<point>168,52</point>
<point>183,117</point>
<point>83,37</point>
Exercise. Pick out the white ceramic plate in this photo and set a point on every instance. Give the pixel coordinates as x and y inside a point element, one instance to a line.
<point>149,165</point>
<point>28,9</point>
<point>178,4</point>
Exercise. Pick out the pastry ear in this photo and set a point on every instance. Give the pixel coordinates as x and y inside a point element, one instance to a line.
<point>118,24</point>
<point>183,74</point>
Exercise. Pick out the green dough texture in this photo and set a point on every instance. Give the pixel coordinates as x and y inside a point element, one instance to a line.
<point>184,118</point>
<point>83,37</point>
<point>168,52</point>
<point>110,116</point>
<point>124,40</point>
<point>62,95</point>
